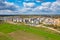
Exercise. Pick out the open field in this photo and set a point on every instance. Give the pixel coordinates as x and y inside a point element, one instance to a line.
<point>21,35</point>
<point>25,32</point>
<point>4,37</point>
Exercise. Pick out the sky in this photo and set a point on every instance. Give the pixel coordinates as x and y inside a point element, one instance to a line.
<point>29,7</point>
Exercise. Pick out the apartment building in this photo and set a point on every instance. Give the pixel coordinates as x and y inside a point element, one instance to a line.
<point>48,21</point>
<point>32,20</point>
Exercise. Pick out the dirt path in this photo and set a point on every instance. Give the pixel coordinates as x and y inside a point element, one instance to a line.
<point>49,28</point>
<point>11,22</point>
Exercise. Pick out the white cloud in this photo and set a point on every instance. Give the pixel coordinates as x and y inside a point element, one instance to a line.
<point>31,4</point>
<point>2,0</point>
<point>44,6</point>
<point>55,6</point>
<point>48,7</point>
<point>4,5</point>
<point>8,3</point>
<point>25,10</point>
<point>57,0</point>
<point>5,12</point>
<point>38,1</point>
<point>7,7</point>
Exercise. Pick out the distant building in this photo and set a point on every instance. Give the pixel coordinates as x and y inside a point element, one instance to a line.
<point>32,20</point>
<point>48,21</point>
<point>57,22</point>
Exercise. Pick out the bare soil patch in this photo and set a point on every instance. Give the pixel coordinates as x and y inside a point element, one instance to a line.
<point>21,35</point>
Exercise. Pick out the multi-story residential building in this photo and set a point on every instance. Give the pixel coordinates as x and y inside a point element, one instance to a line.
<point>32,20</point>
<point>17,20</point>
<point>48,21</point>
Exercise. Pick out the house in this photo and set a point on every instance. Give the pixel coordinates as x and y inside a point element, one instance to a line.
<point>1,18</point>
<point>31,20</point>
<point>57,22</point>
<point>34,21</point>
<point>17,20</point>
<point>48,21</point>
<point>14,20</point>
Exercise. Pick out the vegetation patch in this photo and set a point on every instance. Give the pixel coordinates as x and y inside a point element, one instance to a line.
<point>8,28</point>
<point>4,37</point>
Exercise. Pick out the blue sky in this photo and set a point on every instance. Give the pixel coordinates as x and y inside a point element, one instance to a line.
<point>29,7</point>
<point>20,2</point>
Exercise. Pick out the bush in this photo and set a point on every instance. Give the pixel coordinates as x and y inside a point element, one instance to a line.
<point>1,21</point>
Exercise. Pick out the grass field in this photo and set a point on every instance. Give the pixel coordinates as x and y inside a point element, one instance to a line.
<point>4,37</point>
<point>41,33</point>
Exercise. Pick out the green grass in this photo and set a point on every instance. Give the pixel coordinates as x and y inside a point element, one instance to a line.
<point>4,37</point>
<point>8,28</point>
